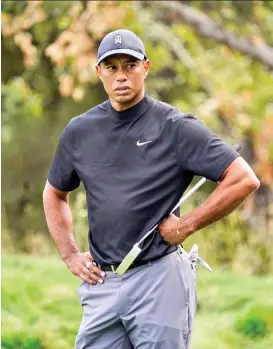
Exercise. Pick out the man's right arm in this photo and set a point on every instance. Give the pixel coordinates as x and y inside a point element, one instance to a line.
<point>60,224</point>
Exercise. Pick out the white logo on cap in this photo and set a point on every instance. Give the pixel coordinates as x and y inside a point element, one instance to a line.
<point>118,39</point>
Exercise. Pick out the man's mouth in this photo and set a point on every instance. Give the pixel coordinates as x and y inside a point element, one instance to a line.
<point>122,90</point>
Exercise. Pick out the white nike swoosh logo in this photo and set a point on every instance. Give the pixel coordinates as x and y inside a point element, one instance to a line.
<point>142,143</point>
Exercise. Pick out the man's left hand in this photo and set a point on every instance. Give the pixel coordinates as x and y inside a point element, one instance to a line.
<point>168,231</point>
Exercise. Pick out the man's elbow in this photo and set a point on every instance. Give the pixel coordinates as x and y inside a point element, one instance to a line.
<point>251,183</point>
<point>242,175</point>
<point>45,195</point>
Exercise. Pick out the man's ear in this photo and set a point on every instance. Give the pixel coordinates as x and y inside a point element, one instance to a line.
<point>146,65</point>
<point>98,69</point>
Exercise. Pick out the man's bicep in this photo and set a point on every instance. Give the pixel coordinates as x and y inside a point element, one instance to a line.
<point>238,170</point>
<point>201,151</point>
<point>62,174</point>
<point>51,190</point>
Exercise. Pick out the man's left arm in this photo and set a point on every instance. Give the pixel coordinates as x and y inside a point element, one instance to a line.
<point>237,182</point>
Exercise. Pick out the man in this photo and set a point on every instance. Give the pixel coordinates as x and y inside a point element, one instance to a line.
<point>136,156</point>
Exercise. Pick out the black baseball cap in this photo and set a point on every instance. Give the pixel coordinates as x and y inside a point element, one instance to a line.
<point>121,41</point>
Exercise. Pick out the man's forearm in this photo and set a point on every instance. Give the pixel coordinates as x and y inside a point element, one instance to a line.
<point>59,221</point>
<point>229,194</point>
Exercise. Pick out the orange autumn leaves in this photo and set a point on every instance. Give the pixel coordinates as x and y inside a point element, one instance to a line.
<point>76,46</point>
<point>73,53</point>
<point>18,26</point>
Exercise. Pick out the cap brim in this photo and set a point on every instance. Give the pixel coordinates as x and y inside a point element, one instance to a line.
<point>128,52</point>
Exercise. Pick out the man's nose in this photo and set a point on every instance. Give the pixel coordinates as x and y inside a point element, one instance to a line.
<point>121,76</point>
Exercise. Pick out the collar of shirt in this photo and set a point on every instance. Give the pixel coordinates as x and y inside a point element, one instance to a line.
<point>131,113</point>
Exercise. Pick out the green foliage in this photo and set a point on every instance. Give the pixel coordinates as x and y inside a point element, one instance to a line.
<point>38,301</point>
<point>13,6</point>
<point>253,327</point>
<point>17,98</point>
<point>257,322</point>
<point>24,157</point>
<point>225,301</point>
<point>21,340</point>
<point>81,221</point>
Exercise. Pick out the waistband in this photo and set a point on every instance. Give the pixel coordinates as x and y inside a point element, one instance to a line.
<point>113,267</point>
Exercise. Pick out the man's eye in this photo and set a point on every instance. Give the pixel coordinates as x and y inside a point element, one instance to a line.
<point>110,67</point>
<point>131,65</point>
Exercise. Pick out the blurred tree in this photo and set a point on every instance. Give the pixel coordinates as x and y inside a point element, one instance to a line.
<point>213,59</point>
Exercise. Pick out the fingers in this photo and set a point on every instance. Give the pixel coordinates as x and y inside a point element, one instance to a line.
<point>87,279</point>
<point>94,273</point>
<point>83,266</point>
<point>90,277</point>
<point>88,264</point>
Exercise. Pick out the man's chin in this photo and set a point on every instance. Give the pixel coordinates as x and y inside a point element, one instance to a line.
<point>124,99</point>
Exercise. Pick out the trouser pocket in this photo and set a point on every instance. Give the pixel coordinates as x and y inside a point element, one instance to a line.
<point>188,261</point>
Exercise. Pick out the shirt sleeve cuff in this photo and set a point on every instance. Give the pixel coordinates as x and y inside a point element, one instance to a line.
<point>223,166</point>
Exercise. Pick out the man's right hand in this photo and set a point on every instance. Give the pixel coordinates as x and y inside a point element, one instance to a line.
<point>81,265</point>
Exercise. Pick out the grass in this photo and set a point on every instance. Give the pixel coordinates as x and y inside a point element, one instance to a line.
<point>231,307</point>
<point>40,308</point>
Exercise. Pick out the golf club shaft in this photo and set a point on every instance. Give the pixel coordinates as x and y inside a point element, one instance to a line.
<point>189,193</point>
<point>183,198</point>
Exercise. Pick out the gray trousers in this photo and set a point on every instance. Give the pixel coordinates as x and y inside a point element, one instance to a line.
<point>151,307</point>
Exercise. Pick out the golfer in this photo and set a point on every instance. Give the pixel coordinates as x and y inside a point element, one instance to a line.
<point>136,156</point>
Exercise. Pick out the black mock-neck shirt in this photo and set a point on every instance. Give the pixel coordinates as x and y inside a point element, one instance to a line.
<point>134,165</point>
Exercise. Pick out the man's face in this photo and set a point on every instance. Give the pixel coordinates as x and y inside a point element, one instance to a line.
<point>123,78</point>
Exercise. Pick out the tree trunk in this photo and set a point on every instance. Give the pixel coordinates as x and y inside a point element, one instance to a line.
<point>258,208</point>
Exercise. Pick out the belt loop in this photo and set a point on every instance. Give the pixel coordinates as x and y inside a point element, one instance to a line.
<point>113,269</point>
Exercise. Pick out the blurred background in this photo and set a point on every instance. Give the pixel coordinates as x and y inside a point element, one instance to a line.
<point>210,58</point>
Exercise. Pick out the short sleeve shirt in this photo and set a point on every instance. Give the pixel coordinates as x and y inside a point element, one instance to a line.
<point>134,165</point>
